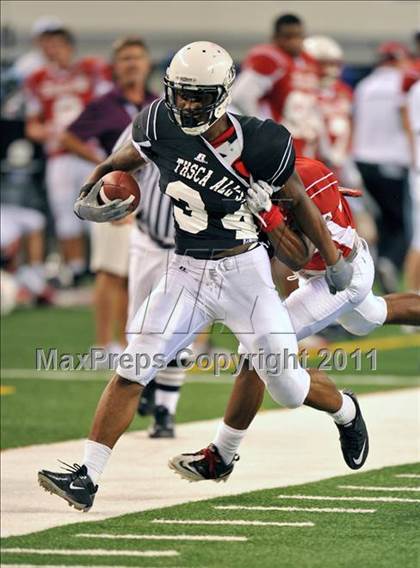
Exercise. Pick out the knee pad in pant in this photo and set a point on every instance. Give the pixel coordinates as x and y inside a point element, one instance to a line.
<point>366,317</point>
<point>290,388</point>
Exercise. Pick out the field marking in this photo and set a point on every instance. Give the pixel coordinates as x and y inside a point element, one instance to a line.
<point>355,498</point>
<point>7,389</point>
<point>233,522</point>
<point>91,552</point>
<point>408,475</point>
<point>205,538</point>
<point>379,343</point>
<point>293,509</point>
<point>224,379</point>
<point>66,565</point>
<point>378,488</point>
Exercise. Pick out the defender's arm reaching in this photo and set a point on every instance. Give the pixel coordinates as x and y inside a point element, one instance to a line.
<point>293,197</point>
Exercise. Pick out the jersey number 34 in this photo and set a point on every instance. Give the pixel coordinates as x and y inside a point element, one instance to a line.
<point>191,215</point>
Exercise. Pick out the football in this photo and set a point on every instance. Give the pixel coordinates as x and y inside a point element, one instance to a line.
<point>291,246</point>
<point>119,185</point>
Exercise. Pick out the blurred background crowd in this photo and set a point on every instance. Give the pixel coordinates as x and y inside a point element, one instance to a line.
<point>73,79</point>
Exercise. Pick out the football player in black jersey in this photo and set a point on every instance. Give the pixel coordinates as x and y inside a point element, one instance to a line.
<point>209,160</point>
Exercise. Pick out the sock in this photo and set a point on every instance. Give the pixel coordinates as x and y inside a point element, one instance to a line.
<point>167,398</point>
<point>347,411</point>
<point>227,441</point>
<point>77,266</point>
<point>95,459</point>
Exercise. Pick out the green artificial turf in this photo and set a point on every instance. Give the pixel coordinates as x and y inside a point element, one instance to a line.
<point>386,538</point>
<point>43,411</point>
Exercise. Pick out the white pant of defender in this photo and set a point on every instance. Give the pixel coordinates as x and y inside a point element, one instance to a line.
<point>312,307</point>
<point>237,291</point>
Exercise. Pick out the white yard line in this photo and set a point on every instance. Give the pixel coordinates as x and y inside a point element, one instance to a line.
<point>282,448</point>
<point>408,475</point>
<point>239,522</point>
<point>355,498</point>
<point>204,537</point>
<point>207,378</point>
<point>293,509</point>
<point>66,566</point>
<point>90,552</point>
<point>378,488</point>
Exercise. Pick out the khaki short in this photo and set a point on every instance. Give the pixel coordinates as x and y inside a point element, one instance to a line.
<point>110,248</point>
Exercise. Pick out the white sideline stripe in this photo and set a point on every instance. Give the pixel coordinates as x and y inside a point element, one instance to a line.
<point>206,537</point>
<point>90,552</point>
<point>408,475</point>
<point>235,522</point>
<point>355,498</point>
<point>293,509</point>
<point>206,378</point>
<point>377,488</point>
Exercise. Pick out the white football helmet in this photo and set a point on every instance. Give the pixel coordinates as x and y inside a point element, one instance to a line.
<point>323,48</point>
<point>201,72</point>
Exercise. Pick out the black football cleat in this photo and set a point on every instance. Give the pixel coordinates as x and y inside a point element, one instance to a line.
<point>147,399</point>
<point>163,425</point>
<point>202,465</point>
<point>354,438</point>
<point>75,486</point>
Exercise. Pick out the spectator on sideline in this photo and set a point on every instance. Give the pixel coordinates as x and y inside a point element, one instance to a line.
<point>280,81</point>
<point>104,119</point>
<point>55,96</point>
<point>412,265</point>
<point>41,32</point>
<point>382,153</point>
<point>22,247</point>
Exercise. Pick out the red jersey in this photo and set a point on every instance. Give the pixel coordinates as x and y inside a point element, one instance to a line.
<point>322,187</point>
<point>58,96</point>
<point>291,97</point>
<point>335,102</point>
<point>411,75</point>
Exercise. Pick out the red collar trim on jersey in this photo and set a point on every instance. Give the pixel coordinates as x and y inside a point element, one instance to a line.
<point>223,137</point>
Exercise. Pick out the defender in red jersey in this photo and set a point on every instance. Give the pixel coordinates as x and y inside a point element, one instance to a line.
<point>55,96</point>
<point>280,81</point>
<point>311,308</point>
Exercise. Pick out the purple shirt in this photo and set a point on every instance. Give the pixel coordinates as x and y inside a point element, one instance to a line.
<point>105,117</point>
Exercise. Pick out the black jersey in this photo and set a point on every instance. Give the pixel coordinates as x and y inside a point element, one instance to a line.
<point>208,195</point>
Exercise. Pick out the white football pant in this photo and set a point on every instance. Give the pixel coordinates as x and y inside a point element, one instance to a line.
<point>312,307</point>
<point>237,291</point>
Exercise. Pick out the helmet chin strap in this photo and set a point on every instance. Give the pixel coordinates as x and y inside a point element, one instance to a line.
<point>198,130</point>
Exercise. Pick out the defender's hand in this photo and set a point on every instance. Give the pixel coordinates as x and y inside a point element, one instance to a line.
<point>88,208</point>
<point>339,275</point>
<point>259,197</point>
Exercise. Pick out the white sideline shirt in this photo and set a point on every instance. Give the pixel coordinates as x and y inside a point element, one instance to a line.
<point>379,137</point>
<point>413,105</point>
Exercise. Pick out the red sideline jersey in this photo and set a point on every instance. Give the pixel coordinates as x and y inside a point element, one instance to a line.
<point>58,96</point>
<point>292,95</point>
<point>336,105</point>
<point>411,75</point>
<point>322,187</point>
